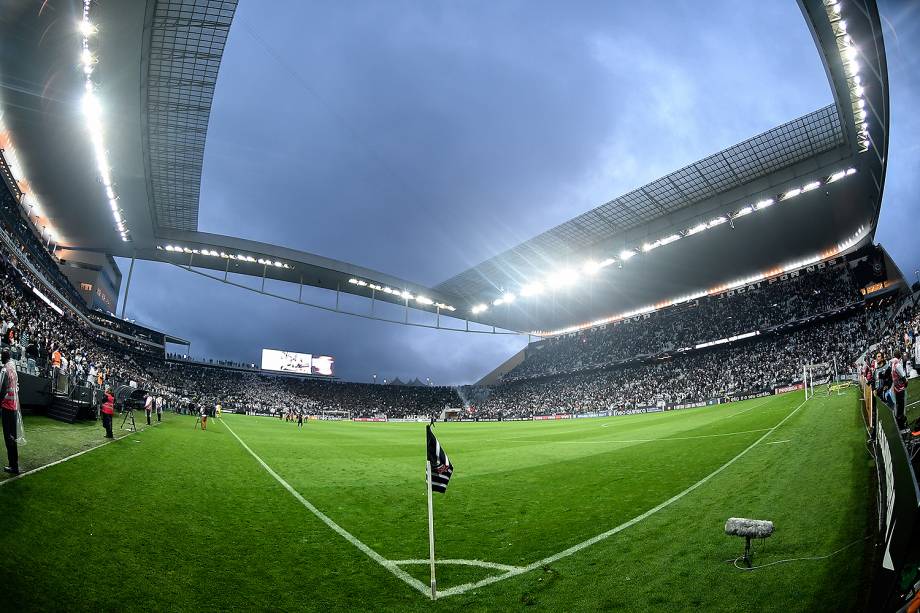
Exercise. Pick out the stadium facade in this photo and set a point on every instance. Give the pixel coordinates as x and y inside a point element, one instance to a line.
<point>125,181</point>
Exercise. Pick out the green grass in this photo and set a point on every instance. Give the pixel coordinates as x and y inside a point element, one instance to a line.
<point>177,519</point>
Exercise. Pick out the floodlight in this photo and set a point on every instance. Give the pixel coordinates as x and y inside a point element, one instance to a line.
<point>424,300</point>
<point>810,186</point>
<point>532,289</point>
<point>851,171</point>
<point>718,221</point>
<point>747,210</point>
<point>792,193</point>
<point>479,308</point>
<point>696,229</point>
<point>764,204</point>
<point>86,28</point>
<point>626,254</point>
<point>508,297</point>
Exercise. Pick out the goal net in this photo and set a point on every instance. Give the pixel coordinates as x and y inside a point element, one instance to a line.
<point>815,376</point>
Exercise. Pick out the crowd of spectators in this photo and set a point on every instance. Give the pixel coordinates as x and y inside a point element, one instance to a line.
<point>280,395</point>
<point>815,316</point>
<point>746,367</point>
<point>760,307</point>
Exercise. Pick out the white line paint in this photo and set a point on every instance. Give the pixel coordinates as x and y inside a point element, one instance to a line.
<point>460,589</point>
<point>348,536</point>
<point>913,403</point>
<point>638,440</point>
<point>480,563</point>
<point>75,455</point>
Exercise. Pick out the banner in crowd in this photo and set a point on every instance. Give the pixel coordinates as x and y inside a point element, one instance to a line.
<point>368,419</point>
<point>789,388</point>
<point>553,416</point>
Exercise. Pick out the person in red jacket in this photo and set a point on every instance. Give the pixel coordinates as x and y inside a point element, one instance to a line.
<point>108,409</point>
<point>9,408</point>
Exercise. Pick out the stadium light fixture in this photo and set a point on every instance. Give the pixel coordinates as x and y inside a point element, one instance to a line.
<point>479,308</point>
<point>561,279</point>
<point>424,300</point>
<point>696,229</point>
<point>792,193</point>
<point>532,289</point>
<point>810,186</point>
<point>849,54</point>
<point>747,210</point>
<point>92,110</point>
<point>568,277</point>
<point>826,255</point>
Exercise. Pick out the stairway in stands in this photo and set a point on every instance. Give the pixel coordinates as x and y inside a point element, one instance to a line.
<point>64,409</point>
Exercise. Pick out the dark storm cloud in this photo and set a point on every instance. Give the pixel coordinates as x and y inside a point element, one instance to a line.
<point>419,138</point>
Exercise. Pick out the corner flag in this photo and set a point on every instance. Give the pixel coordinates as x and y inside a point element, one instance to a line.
<point>441,468</point>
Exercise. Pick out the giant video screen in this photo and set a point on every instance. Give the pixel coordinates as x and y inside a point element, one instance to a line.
<point>300,363</point>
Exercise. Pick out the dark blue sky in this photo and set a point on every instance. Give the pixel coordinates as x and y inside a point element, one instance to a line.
<point>419,138</point>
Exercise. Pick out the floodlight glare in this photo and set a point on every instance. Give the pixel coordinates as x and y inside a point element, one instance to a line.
<point>532,289</point>
<point>626,254</point>
<point>810,186</point>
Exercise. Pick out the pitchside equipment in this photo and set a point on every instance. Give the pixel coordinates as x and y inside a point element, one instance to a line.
<point>749,529</point>
<point>816,374</point>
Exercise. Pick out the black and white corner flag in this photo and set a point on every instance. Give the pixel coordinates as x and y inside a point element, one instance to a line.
<point>441,468</point>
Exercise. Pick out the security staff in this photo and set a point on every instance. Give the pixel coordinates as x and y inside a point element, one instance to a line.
<point>9,407</point>
<point>108,409</point>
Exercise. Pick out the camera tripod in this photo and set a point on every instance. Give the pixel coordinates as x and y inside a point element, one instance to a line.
<point>129,414</point>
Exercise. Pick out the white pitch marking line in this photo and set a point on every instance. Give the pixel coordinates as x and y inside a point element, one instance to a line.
<point>481,563</point>
<point>778,442</point>
<point>348,536</point>
<point>913,403</point>
<point>460,589</point>
<point>70,457</point>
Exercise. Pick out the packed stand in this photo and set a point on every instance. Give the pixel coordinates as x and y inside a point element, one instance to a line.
<point>765,306</point>
<point>747,367</point>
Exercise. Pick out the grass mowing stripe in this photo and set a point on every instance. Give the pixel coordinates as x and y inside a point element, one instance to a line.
<point>638,440</point>
<point>72,456</point>
<point>348,536</point>
<point>460,589</point>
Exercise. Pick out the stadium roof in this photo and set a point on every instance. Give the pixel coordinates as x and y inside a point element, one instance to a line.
<point>123,176</point>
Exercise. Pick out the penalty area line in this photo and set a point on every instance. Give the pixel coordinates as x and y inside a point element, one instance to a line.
<point>460,589</point>
<point>348,536</point>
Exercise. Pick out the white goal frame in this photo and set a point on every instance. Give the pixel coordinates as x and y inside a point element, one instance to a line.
<point>826,372</point>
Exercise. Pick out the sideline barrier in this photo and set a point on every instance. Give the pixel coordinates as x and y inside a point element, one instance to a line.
<point>898,505</point>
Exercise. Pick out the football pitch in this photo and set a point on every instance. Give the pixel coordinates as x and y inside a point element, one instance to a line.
<point>584,514</point>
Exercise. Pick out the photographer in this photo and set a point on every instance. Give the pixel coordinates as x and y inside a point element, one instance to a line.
<point>898,388</point>
<point>9,407</point>
<point>108,409</point>
<point>881,377</point>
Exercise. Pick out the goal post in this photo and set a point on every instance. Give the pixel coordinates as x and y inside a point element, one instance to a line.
<point>816,375</point>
